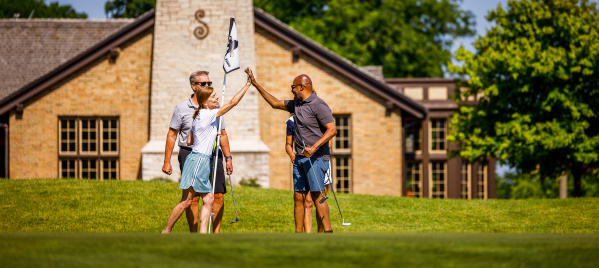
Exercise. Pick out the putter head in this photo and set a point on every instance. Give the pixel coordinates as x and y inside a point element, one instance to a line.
<point>346,224</point>
<point>235,220</point>
<point>324,198</point>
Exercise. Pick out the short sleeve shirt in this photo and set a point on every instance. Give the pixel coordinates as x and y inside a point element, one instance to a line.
<point>204,130</point>
<point>182,120</point>
<point>311,116</point>
<point>290,126</point>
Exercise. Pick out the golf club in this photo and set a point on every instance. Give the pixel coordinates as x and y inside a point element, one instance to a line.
<point>333,190</point>
<point>296,129</point>
<point>233,194</point>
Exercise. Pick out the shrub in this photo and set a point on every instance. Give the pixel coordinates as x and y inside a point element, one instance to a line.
<point>251,182</point>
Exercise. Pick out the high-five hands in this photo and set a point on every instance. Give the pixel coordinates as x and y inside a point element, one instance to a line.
<point>250,75</point>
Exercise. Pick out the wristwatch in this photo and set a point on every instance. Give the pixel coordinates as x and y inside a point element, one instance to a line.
<point>228,157</point>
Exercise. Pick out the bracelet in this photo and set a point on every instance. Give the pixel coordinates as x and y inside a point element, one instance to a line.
<point>229,157</point>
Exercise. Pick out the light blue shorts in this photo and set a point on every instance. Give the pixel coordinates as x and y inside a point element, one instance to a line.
<point>303,176</point>
<point>196,173</point>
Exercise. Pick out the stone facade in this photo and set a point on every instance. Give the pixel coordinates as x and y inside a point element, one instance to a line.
<point>375,135</point>
<point>118,89</point>
<point>177,53</point>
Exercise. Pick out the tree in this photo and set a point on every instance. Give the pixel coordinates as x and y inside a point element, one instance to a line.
<point>289,11</point>
<point>518,185</point>
<point>538,70</point>
<point>37,9</point>
<point>128,8</point>
<point>410,38</point>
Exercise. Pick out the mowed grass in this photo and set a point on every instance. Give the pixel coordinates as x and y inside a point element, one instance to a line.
<point>77,223</point>
<point>296,250</point>
<point>120,206</point>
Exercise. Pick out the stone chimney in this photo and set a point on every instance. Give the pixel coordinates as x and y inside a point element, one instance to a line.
<point>192,35</point>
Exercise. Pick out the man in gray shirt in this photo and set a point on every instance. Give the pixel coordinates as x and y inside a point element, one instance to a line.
<point>180,125</point>
<point>316,126</point>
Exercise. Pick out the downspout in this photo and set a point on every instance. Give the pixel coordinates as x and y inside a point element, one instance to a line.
<point>5,128</point>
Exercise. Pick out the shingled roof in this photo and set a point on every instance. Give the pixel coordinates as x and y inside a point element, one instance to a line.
<point>33,48</point>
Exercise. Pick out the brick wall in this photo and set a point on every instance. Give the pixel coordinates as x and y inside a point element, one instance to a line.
<point>376,138</point>
<point>102,89</point>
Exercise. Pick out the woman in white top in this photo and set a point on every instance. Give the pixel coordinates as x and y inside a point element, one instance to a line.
<point>195,176</point>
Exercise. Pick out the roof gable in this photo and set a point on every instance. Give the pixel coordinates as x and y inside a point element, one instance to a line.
<point>77,62</point>
<point>32,48</point>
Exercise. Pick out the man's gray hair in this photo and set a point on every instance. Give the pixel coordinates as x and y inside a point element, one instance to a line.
<point>193,75</point>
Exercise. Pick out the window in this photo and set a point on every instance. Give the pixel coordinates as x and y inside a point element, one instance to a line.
<point>89,148</point>
<point>438,180</point>
<point>342,161</point>
<point>67,169</point>
<point>438,130</point>
<point>342,174</point>
<point>414,180</point>
<point>68,138</point>
<point>89,133</point>
<point>89,169</point>
<point>481,181</point>
<point>465,181</point>
<point>109,135</point>
<point>342,139</point>
<point>413,139</point>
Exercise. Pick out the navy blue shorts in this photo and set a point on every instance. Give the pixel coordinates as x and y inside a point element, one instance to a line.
<point>303,175</point>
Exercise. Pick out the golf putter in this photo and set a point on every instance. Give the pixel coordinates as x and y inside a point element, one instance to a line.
<point>233,194</point>
<point>343,223</point>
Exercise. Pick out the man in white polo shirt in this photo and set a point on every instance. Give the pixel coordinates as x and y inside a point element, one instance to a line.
<point>180,125</point>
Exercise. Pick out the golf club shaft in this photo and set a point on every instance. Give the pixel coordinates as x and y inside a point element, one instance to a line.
<point>233,194</point>
<point>334,195</point>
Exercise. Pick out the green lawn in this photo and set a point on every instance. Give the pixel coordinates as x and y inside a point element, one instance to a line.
<point>78,223</point>
<point>119,206</point>
<point>296,250</point>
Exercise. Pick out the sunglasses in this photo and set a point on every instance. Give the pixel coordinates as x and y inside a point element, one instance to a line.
<point>294,86</point>
<point>202,83</point>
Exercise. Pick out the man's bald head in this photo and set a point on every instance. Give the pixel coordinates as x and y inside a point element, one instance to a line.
<point>302,87</point>
<point>304,80</point>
